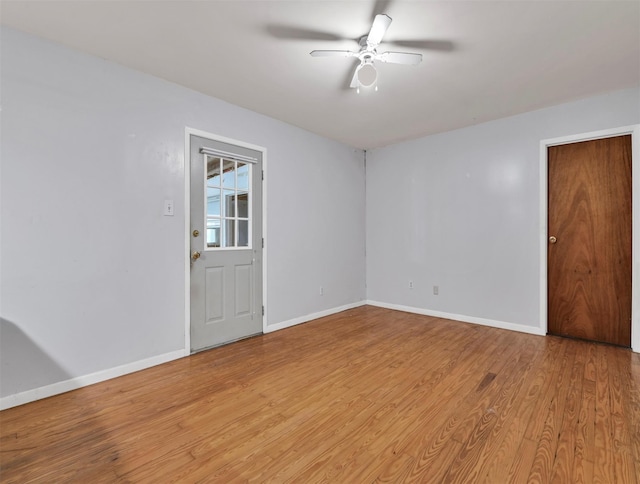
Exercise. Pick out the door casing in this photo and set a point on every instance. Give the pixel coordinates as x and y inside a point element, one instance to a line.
<point>187,227</point>
<point>634,131</point>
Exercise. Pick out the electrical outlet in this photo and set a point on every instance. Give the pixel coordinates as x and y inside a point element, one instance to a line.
<point>321,291</point>
<point>410,284</point>
<point>436,290</point>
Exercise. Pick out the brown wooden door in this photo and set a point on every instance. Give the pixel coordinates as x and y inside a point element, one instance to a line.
<point>589,263</point>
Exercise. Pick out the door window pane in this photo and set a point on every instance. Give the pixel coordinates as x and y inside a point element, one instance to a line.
<point>243,233</point>
<point>229,203</point>
<point>229,233</point>
<point>243,176</point>
<point>229,173</point>
<point>213,202</point>
<point>213,171</point>
<point>243,205</point>
<point>213,233</point>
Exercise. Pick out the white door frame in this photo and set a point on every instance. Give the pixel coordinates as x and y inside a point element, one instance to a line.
<point>634,131</point>
<point>187,225</point>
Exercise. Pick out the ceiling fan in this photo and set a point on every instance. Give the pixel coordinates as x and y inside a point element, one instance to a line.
<point>365,74</point>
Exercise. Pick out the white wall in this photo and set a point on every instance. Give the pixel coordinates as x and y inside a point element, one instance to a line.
<point>461,210</point>
<point>92,272</point>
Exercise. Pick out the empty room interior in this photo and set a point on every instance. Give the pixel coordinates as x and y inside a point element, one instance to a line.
<point>317,241</point>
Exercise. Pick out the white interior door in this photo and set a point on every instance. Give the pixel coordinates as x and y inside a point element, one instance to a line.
<point>226,242</point>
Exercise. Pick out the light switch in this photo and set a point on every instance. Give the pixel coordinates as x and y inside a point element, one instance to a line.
<point>168,208</point>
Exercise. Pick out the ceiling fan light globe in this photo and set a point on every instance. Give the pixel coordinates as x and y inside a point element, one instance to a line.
<point>367,75</point>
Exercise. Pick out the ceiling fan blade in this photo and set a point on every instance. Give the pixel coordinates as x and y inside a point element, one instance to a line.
<point>380,6</point>
<point>354,79</point>
<point>380,25</point>
<point>287,32</point>
<point>427,44</point>
<point>400,58</point>
<point>333,53</point>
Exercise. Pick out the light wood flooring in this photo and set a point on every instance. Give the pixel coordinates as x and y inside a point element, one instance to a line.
<point>368,394</point>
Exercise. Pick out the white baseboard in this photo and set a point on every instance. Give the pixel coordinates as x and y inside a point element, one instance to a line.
<point>86,380</point>
<point>459,317</point>
<point>309,317</point>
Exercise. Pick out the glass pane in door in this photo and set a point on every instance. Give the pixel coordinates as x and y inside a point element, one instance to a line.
<point>229,233</point>
<point>228,173</point>
<point>243,233</point>
<point>213,202</point>
<point>213,232</point>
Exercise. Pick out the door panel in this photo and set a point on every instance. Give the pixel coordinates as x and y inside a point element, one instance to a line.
<point>243,289</point>
<point>589,250</point>
<point>214,293</point>
<point>226,243</point>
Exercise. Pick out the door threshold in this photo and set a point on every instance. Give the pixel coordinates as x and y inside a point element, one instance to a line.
<point>193,352</point>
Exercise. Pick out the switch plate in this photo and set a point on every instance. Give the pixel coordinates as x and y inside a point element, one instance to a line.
<point>436,290</point>
<point>410,284</point>
<point>321,291</point>
<point>168,208</point>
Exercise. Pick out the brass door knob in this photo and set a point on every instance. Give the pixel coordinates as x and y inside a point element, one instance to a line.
<point>552,240</point>
<point>195,255</point>
<point>196,233</point>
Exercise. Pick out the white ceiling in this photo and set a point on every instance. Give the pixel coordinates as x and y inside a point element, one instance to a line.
<point>490,58</point>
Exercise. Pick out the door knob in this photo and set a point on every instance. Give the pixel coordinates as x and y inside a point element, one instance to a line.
<point>195,255</point>
<point>552,240</point>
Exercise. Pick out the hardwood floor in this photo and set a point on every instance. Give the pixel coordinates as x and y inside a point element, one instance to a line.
<point>365,395</point>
